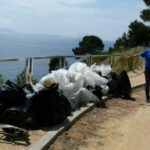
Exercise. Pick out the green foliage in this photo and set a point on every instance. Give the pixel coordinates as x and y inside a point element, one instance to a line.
<point>145,14</point>
<point>147,2</point>
<point>138,35</point>
<point>99,60</point>
<point>20,79</point>
<point>1,79</point>
<point>122,42</point>
<point>127,61</point>
<point>88,45</point>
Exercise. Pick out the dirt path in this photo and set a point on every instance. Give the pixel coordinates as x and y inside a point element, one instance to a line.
<point>130,133</point>
<point>125,125</point>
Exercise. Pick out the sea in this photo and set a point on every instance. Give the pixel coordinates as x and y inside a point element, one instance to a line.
<point>16,45</point>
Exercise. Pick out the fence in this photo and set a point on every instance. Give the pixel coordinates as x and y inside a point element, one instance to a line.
<point>89,59</point>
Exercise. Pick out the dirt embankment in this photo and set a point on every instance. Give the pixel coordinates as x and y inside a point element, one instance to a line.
<point>124,125</point>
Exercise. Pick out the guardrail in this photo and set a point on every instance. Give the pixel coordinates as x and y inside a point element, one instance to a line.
<point>90,59</point>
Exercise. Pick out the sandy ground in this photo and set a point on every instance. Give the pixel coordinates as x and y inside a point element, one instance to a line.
<point>136,77</point>
<point>99,129</point>
<point>123,125</point>
<point>19,142</point>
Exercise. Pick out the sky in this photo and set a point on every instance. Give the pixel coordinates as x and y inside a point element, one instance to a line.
<point>76,18</point>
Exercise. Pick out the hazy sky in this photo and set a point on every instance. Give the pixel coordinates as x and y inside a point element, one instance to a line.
<point>107,19</point>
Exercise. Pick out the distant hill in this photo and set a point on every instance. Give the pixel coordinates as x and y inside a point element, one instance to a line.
<point>7,31</point>
<point>16,44</point>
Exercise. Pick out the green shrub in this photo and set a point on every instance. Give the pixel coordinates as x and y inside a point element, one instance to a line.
<point>1,79</point>
<point>21,79</point>
<point>54,63</point>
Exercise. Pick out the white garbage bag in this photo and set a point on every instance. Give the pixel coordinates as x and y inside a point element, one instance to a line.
<point>94,68</point>
<point>38,87</point>
<point>59,76</point>
<point>104,69</point>
<point>105,89</point>
<point>84,96</point>
<point>47,80</point>
<point>77,67</point>
<point>77,78</point>
<point>93,79</point>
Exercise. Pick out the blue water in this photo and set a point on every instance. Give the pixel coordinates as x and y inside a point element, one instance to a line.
<point>25,45</point>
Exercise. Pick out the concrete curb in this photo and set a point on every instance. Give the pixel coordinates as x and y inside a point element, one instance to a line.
<point>54,132</point>
<point>138,85</point>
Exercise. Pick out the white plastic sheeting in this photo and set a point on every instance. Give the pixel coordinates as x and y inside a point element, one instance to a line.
<point>84,96</point>
<point>104,69</point>
<point>78,67</point>
<point>72,82</point>
<point>93,79</point>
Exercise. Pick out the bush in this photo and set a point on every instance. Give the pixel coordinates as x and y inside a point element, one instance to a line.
<point>1,79</point>
<point>21,79</point>
<point>54,63</point>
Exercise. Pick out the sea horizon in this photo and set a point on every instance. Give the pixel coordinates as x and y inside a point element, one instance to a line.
<point>18,45</point>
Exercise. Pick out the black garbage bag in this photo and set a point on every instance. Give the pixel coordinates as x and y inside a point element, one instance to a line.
<point>13,116</point>
<point>113,85</point>
<point>46,107</point>
<point>96,91</point>
<point>15,105</point>
<point>11,95</point>
<point>50,106</point>
<point>124,85</point>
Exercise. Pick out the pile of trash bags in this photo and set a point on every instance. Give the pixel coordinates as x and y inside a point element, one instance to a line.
<point>59,93</point>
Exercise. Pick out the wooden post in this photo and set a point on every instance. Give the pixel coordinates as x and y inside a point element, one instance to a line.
<point>30,70</point>
<point>90,60</point>
<point>113,60</point>
<point>60,62</point>
<point>27,70</point>
<point>109,60</point>
<point>64,62</point>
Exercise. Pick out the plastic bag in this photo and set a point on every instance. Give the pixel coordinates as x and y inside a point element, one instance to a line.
<point>84,96</point>
<point>47,81</point>
<point>104,70</point>
<point>11,95</point>
<point>59,76</point>
<point>41,85</point>
<point>96,91</point>
<point>93,79</point>
<point>105,89</point>
<point>77,78</point>
<point>50,106</point>
<point>78,67</point>
<point>124,85</point>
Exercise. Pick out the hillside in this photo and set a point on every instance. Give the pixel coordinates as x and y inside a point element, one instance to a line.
<point>13,41</point>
